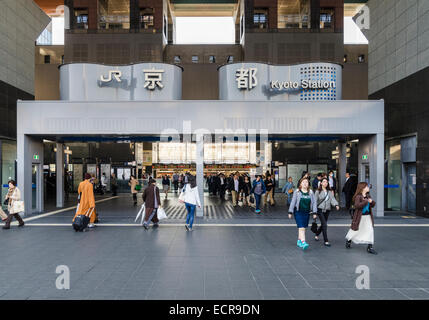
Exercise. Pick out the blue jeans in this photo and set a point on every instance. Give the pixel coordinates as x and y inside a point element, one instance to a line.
<point>257,200</point>
<point>191,213</point>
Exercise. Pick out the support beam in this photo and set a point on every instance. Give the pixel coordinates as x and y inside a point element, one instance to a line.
<point>371,168</point>
<point>59,168</point>
<point>200,172</point>
<point>342,167</point>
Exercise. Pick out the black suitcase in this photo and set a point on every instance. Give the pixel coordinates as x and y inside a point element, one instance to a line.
<point>80,223</point>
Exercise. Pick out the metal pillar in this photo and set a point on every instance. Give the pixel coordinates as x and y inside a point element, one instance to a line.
<point>59,168</point>
<point>200,172</point>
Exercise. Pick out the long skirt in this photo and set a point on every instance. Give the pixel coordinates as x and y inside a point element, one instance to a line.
<point>365,234</point>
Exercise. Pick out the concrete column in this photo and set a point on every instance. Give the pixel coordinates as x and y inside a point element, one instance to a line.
<point>200,172</point>
<point>30,152</point>
<point>60,174</point>
<point>379,155</point>
<point>373,150</point>
<point>342,167</point>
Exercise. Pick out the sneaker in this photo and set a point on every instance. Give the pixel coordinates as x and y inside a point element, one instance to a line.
<point>327,244</point>
<point>91,225</point>
<point>186,227</point>
<point>145,226</point>
<point>299,243</point>
<point>305,246</point>
<point>5,228</point>
<point>258,211</point>
<point>348,244</point>
<point>371,250</point>
<point>155,225</point>
<point>316,238</point>
<point>190,229</point>
<point>21,225</point>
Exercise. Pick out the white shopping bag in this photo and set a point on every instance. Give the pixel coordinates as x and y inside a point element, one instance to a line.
<point>161,214</point>
<point>141,213</point>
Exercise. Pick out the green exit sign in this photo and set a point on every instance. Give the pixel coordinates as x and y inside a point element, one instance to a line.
<point>36,157</point>
<point>365,157</point>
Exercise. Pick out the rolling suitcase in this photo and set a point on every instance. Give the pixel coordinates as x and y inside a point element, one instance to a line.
<point>81,222</point>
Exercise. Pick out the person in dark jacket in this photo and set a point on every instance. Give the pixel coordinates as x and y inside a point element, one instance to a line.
<point>165,185</point>
<point>349,189</point>
<point>246,190</point>
<point>221,186</point>
<point>316,180</point>
<point>269,195</point>
<point>362,228</point>
<point>152,202</point>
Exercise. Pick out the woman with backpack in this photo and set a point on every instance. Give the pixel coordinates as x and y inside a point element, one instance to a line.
<point>303,204</point>
<point>191,197</point>
<point>325,201</point>
<point>362,228</point>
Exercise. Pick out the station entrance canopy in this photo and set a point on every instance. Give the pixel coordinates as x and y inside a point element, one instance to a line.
<point>145,99</point>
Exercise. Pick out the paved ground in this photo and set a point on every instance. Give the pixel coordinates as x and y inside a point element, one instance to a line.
<point>212,262</point>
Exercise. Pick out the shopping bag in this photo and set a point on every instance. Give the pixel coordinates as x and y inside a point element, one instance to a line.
<point>18,206</point>
<point>140,213</point>
<point>161,214</point>
<point>182,195</point>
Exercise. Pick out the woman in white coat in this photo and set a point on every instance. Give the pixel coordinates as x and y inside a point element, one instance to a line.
<point>12,197</point>
<point>191,198</point>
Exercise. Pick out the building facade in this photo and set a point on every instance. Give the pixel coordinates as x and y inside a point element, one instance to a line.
<point>21,22</point>
<point>399,74</point>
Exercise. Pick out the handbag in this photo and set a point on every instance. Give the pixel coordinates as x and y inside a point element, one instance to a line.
<point>138,187</point>
<point>314,226</point>
<point>161,214</point>
<point>252,200</point>
<point>290,190</point>
<point>18,206</point>
<point>182,195</point>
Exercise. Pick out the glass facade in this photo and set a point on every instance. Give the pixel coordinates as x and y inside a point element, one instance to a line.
<point>393,175</point>
<point>294,14</point>
<point>114,14</point>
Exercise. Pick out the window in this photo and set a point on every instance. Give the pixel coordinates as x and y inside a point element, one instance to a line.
<point>230,59</point>
<point>212,59</point>
<point>146,18</point>
<point>177,59</point>
<point>194,59</point>
<point>113,14</point>
<point>294,14</point>
<point>260,18</point>
<point>81,18</point>
<point>361,58</point>
<point>47,59</point>
<point>326,18</point>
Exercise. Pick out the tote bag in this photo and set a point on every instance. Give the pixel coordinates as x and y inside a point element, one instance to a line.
<point>182,195</point>
<point>18,206</point>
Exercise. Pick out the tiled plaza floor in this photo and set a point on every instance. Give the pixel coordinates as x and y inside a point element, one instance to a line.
<point>212,262</point>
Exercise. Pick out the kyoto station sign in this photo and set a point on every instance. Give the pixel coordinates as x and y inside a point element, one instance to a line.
<point>302,82</point>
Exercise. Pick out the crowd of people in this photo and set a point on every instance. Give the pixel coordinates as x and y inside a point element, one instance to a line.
<point>316,197</point>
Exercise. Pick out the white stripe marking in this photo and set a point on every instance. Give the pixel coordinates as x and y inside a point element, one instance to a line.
<point>63,210</point>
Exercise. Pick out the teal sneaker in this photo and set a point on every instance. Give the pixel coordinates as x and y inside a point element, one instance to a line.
<point>305,246</point>
<point>299,243</point>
